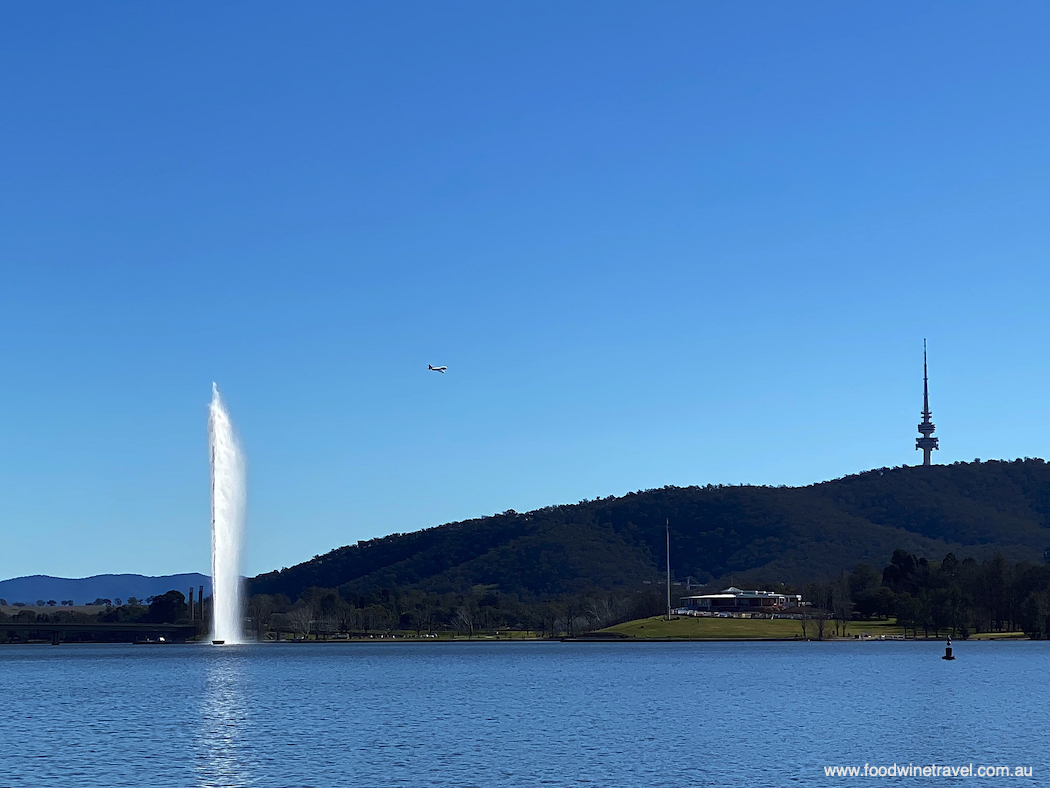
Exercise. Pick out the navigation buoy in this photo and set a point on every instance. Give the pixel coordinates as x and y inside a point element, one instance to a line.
<point>948,650</point>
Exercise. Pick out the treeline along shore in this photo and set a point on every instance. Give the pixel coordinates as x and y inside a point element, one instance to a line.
<point>166,616</point>
<point>910,595</point>
<point>922,598</point>
<point>953,548</point>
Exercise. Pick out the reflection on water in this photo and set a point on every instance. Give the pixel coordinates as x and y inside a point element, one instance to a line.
<point>513,715</point>
<point>222,758</point>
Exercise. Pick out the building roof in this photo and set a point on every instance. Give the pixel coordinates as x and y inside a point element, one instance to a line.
<point>735,593</point>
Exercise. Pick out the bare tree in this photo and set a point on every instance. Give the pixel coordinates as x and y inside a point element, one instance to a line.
<point>348,619</point>
<point>280,622</point>
<point>821,616</point>
<point>423,616</point>
<point>301,618</point>
<point>466,615</point>
<point>842,601</point>
<point>574,610</point>
<point>490,618</point>
<point>260,607</point>
<point>376,617</point>
<point>821,596</point>
<point>327,609</point>
<point>325,625</point>
<point>548,618</point>
<point>601,611</point>
<point>428,617</point>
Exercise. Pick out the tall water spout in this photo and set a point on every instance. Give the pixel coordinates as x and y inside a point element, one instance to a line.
<point>228,500</point>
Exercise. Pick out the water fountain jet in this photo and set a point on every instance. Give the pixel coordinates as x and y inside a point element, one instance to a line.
<point>228,498</point>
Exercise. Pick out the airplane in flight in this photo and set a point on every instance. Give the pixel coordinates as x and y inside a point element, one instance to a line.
<point>437,369</point>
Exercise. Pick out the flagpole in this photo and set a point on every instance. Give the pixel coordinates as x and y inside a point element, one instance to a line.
<point>667,525</point>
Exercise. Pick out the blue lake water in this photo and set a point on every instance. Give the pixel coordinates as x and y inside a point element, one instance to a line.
<point>388,714</point>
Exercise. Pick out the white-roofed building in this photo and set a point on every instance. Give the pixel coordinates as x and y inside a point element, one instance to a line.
<point>737,600</point>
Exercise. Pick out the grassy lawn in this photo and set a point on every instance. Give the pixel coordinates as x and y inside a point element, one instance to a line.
<point>741,628</point>
<point>999,636</point>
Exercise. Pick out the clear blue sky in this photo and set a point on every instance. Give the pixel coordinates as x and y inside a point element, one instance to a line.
<point>655,243</point>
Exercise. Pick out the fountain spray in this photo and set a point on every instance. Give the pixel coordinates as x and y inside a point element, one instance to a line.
<point>228,498</point>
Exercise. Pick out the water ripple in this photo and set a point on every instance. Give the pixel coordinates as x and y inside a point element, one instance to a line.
<point>761,715</point>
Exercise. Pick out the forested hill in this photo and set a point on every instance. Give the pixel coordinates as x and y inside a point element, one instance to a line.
<point>745,534</point>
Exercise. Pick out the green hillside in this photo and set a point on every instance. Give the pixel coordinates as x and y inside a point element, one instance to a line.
<point>745,534</point>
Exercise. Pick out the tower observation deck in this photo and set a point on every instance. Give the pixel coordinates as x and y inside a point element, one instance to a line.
<point>926,427</point>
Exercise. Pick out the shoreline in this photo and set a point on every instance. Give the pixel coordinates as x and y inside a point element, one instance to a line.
<point>1006,637</point>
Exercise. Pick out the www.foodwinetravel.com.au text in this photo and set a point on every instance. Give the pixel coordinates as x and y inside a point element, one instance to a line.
<point>932,770</point>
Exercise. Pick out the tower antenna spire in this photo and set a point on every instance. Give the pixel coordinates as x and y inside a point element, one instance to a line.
<point>925,384</point>
<point>926,427</point>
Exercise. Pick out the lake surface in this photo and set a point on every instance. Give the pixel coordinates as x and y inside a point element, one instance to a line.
<point>529,714</point>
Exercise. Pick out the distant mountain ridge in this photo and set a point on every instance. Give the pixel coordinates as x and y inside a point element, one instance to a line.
<point>85,590</point>
<point>719,534</point>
